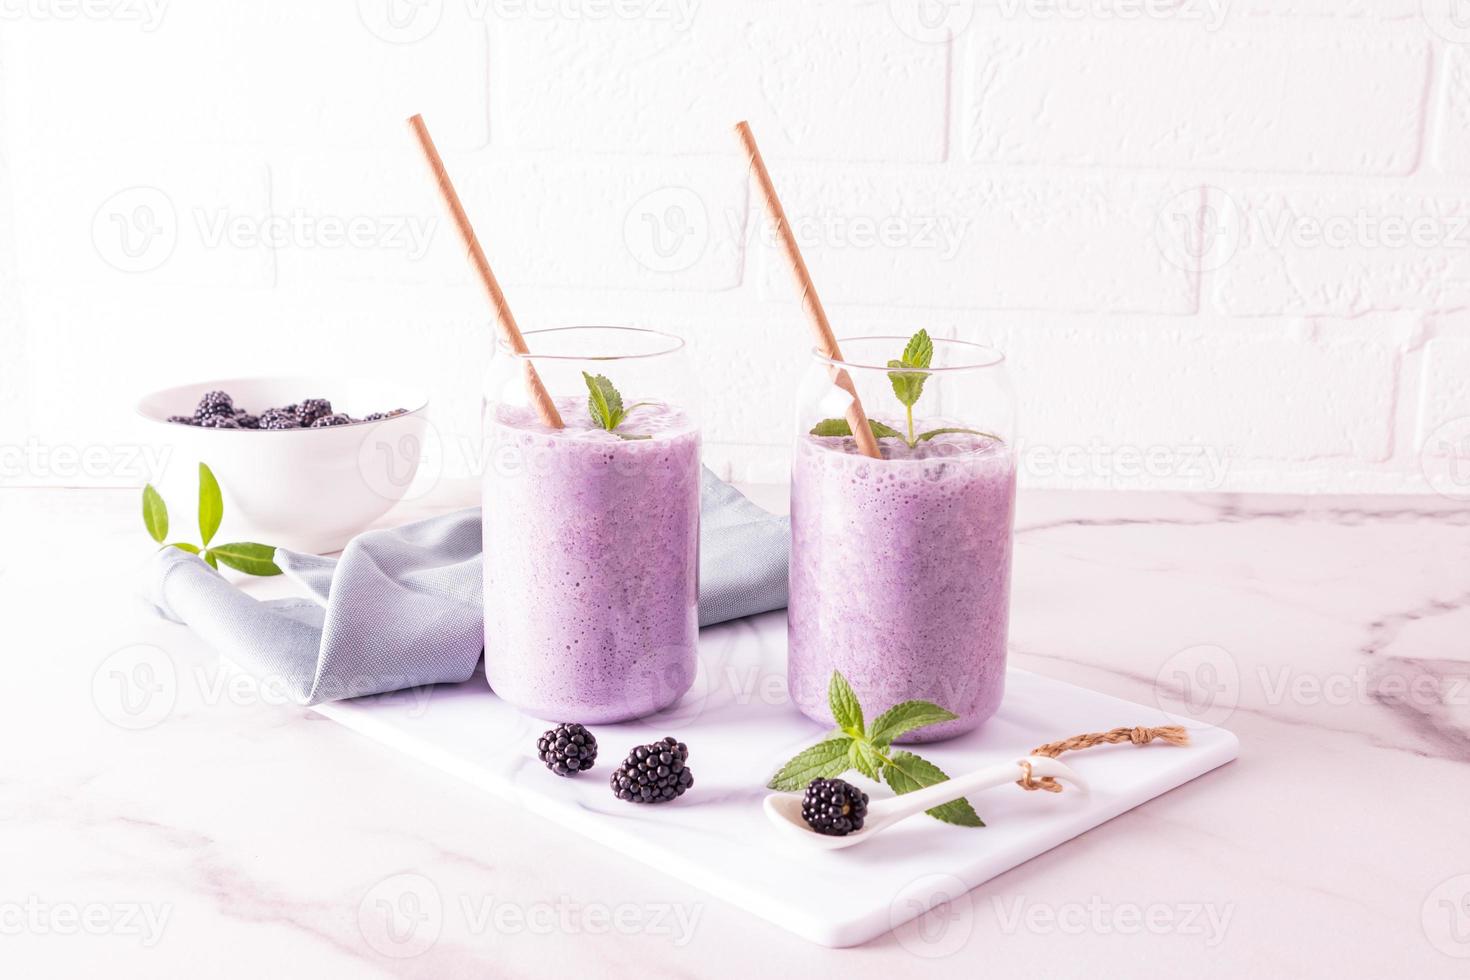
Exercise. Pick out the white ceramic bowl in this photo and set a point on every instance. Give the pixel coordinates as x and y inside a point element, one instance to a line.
<point>307,490</point>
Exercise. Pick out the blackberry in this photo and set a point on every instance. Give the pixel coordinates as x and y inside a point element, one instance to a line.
<point>278,418</point>
<point>214,403</point>
<point>219,422</point>
<point>653,773</point>
<point>183,419</point>
<point>312,409</point>
<point>567,749</point>
<point>374,416</point>
<point>247,421</point>
<point>834,807</point>
<point>326,420</point>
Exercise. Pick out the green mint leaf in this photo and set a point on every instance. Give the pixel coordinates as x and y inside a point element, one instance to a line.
<point>909,385</point>
<point>155,514</point>
<point>920,351</point>
<point>248,557</point>
<point>822,761</point>
<point>839,427</point>
<point>844,704</point>
<point>211,504</point>
<point>185,546</point>
<point>604,404</point>
<point>974,432</point>
<point>907,772</point>
<point>905,717</point>
<point>864,758</point>
<point>213,561</point>
<point>627,438</point>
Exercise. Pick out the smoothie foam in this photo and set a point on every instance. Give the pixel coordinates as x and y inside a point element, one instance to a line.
<point>591,562</point>
<point>900,574</point>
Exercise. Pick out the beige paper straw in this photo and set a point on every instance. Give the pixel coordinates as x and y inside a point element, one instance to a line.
<point>821,328</point>
<point>540,397</point>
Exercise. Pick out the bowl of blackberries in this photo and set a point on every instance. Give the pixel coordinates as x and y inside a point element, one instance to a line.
<point>303,463</point>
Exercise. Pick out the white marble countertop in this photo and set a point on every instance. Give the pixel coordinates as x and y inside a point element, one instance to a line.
<point>217,831</point>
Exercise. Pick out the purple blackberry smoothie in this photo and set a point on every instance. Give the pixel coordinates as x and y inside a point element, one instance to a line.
<point>591,562</point>
<point>901,575</point>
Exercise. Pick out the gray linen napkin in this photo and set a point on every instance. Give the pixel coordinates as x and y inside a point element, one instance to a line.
<point>402,608</point>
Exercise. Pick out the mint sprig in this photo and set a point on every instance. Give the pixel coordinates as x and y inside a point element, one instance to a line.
<point>907,374</point>
<point>867,749</point>
<point>605,405</point>
<point>244,556</point>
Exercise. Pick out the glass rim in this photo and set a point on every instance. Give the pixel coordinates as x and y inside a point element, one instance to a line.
<point>676,344</point>
<point>996,357</point>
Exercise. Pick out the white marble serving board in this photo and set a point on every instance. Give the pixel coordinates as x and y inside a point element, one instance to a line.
<point>739,729</point>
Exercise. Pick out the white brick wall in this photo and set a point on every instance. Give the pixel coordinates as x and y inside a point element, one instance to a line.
<point>1224,242</point>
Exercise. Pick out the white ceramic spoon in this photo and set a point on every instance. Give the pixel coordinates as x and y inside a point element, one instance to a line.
<point>784,809</point>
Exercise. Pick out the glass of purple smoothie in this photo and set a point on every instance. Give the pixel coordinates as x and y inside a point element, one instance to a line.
<point>591,531</point>
<point>901,566</point>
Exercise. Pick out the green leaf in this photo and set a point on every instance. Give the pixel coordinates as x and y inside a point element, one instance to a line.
<point>839,427</point>
<point>213,561</point>
<point>155,514</point>
<point>920,350</point>
<point>248,557</point>
<point>907,772</point>
<point>905,717</point>
<point>844,704</point>
<point>822,761</point>
<point>864,758</point>
<point>974,432</point>
<point>604,404</point>
<point>627,438</point>
<point>909,385</point>
<point>211,505</point>
<point>185,546</point>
